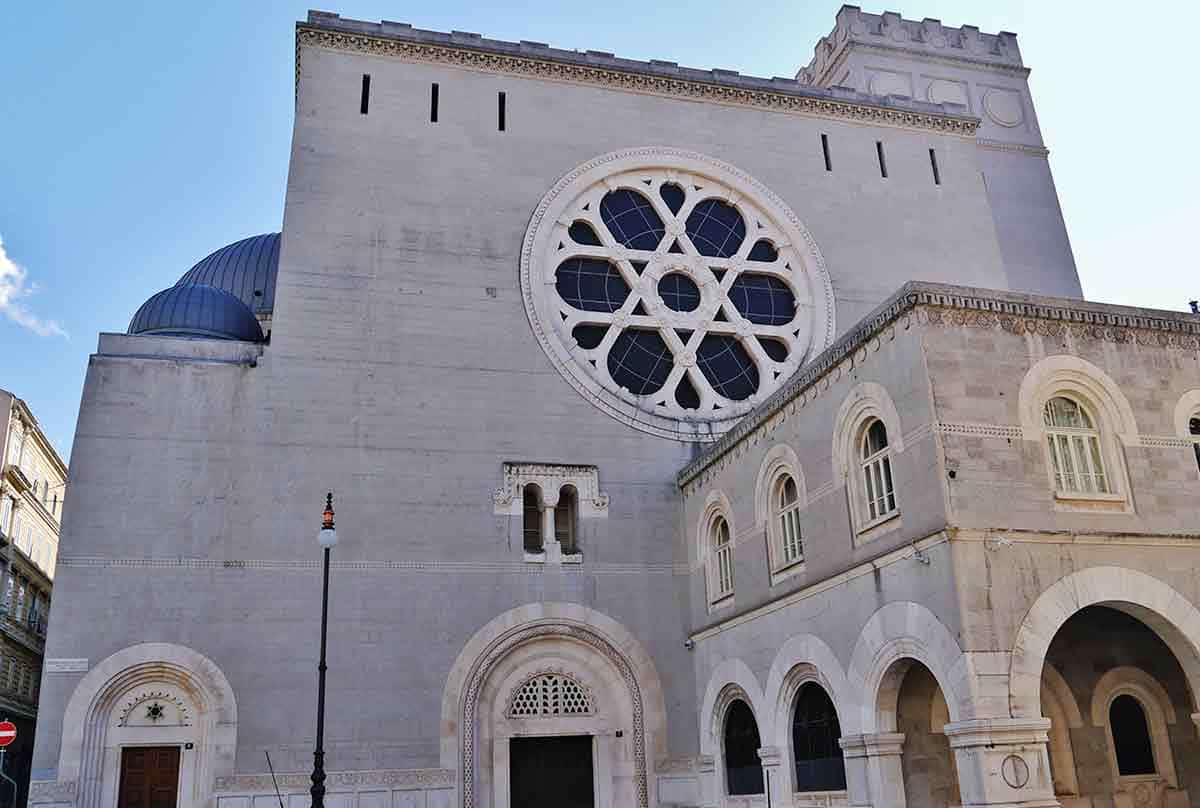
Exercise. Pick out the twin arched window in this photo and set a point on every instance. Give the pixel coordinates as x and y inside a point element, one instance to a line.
<point>722,559</point>
<point>565,519</point>
<point>1075,451</point>
<point>876,461</point>
<point>785,510</point>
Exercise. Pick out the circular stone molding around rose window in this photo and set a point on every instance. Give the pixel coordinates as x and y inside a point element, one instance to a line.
<point>672,290</point>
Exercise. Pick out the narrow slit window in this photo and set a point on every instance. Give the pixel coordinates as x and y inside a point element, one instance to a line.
<point>937,175</point>
<point>501,111</point>
<point>882,160</point>
<point>364,100</point>
<point>433,103</point>
<point>825,151</point>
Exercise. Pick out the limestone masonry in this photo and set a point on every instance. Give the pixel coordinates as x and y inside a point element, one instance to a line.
<point>696,439</point>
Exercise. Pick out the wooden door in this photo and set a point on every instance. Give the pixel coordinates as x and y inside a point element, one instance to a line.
<point>149,777</point>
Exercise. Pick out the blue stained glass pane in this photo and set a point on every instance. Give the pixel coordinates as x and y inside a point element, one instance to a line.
<point>763,299</point>
<point>673,195</point>
<point>776,349</point>
<point>589,336</point>
<point>686,395</point>
<point>727,366</point>
<point>716,228</point>
<point>678,292</point>
<point>591,284</point>
<point>640,361</point>
<point>631,219</point>
<point>582,233</point>
<point>763,250</point>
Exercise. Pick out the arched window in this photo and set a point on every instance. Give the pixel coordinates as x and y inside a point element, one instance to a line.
<point>564,519</point>
<point>743,769</point>
<point>815,734</point>
<point>1074,445</point>
<point>785,504</point>
<point>1131,736</point>
<point>532,522</point>
<point>877,471</point>
<point>722,559</point>
<point>1194,430</point>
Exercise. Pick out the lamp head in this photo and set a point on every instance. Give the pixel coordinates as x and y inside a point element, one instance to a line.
<point>327,537</point>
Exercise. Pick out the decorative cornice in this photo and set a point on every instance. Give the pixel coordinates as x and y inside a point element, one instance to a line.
<point>44,791</point>
<point>948,305</point>
<point>538,61</point>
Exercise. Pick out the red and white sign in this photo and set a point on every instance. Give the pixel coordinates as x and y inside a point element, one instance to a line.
<point>8,733</point>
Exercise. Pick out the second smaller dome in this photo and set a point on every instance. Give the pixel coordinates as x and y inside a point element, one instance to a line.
<point>199,311</point>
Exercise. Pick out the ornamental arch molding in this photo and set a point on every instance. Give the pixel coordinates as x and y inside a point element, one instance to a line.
<point>779,459</point>
<point>198,707</point>
<point>898,632</point>
<point>504,654</point>
<point>1156,706</point>
<point>1187,408</point>
<point>730,679</point>
<point>801,660</point>
<point>865,401</point>
<point>1071,375</point>
<point>724,323</point>
<point>1162,609</point>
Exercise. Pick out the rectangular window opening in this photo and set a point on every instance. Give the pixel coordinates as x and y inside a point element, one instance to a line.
<point>937,176</point>
<point>365,99</point>
<point>433,103</point>
<point>882,161</point>
<point>825,151</point>
<point>501,112</point>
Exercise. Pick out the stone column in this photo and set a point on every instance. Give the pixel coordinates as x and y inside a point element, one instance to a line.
<point>1003,762</point>
<point>550,545</point>
<point>707,766</point>
<point>774,776</point>
<point>874,778</point>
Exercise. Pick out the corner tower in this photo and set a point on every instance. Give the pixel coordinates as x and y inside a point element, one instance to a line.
<point>885,55</point>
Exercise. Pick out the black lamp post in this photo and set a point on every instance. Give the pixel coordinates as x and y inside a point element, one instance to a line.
<point>327,538</point>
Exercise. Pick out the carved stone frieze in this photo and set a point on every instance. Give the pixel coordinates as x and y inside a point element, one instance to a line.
<point>294,781</point>
<point>550,478</point>
<point>41,791</point>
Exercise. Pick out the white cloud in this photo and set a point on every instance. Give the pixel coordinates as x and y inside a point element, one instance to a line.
<point>15,286</point>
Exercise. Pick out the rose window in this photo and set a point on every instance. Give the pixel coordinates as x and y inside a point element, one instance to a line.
<point>676,295</point>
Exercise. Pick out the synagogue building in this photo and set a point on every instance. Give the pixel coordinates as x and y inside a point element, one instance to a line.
<point>695,439</point>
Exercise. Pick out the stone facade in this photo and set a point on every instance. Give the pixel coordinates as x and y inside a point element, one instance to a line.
<point>907,511</point>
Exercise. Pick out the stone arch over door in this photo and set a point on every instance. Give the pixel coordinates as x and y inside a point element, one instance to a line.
<point>99,720</point>
<point>1166,612</point>
<point>513,646</point>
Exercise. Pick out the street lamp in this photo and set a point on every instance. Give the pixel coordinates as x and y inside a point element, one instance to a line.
<point>327,538</point>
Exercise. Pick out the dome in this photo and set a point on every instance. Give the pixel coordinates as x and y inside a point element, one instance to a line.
<point>246,269</point>
<point>196,310</point>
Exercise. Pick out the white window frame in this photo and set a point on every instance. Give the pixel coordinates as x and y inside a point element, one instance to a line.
<point>876,466</point>
<point>787,540</point>
<point>1088,474</point>
<point>720,559</point>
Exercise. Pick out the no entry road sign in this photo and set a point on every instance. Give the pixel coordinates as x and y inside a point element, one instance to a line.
<point>8,733</point>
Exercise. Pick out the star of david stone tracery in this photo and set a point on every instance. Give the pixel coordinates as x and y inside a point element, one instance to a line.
<point>673,292</point>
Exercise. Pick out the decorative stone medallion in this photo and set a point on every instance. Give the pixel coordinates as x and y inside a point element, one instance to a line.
<point>672,290</point>
<point>1015,771</point>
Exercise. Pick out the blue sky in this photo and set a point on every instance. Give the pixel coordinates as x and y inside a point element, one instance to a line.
<point>135,138</point>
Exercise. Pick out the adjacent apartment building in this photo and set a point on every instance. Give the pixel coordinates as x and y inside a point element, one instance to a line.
<point>32,484</point>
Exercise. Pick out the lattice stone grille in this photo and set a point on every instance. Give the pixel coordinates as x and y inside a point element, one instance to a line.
<point>550,694</point>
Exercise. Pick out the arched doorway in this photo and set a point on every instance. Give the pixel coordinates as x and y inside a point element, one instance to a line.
<point>552,684</point>
<point>1138,708</point>
<point>817,757</point>
<point>912,694</point>
<point>740,745</point>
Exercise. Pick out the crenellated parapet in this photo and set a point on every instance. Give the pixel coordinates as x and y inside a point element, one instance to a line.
<point>890,31</point>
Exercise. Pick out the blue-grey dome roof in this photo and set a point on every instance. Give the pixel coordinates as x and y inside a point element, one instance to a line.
<point>196,310</point>
<point>245,269</point>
